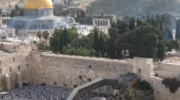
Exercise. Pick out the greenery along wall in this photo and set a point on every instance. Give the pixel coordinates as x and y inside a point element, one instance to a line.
<point>143,39</point>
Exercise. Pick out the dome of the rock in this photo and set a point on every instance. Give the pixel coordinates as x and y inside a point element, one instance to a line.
<point>36,4</point>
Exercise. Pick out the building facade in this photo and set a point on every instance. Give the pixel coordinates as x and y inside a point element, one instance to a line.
<point>38,17</point>
<point>101,22</point>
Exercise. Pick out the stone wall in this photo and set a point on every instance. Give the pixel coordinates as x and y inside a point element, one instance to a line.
<point>167,70</point>
<point>63,70</point>
<point>11,64</point>
<point>147,70</point>
<point>70,71</point>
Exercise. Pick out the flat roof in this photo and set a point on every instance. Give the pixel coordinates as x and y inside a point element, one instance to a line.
<point>171,62</point>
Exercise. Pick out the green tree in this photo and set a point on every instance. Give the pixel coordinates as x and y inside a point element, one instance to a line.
<point>55,41</point>
<point>64,39</point>
<point>39,35</point>
<point>112,51</point>
<point>83,13</point>
<point>102,42</point>
<point>122,44</point>
<point>144,41</point>
<point>122,27</point>
<point>178,29</point>
<point>132,24</point>
<point>128,95</point>
<point>96,39</point>
<point>161,50</point>
<point>45,36</point>
<point>153,22</point>
<point>172,44</point>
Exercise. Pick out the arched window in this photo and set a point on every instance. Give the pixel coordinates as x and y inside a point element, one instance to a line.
<point>36,12</point>
<point>39,26</point>
<point>95,22</point>
<point>43,27</point>
<point>106,23</point>
<point>42,12</point>
<point>98,23</point>
<point>101,23</point>
<point>35,26</point>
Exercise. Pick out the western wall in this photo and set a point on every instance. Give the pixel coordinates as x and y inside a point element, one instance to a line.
<point>70,71</point>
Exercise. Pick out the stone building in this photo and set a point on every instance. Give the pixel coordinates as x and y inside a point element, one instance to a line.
<point>38,17</point>
<point>103,21</point>
<point>3,20</point>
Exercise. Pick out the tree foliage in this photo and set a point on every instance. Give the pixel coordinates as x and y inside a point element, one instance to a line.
<point>172,44</point>
<point>124,39</point>
<point>172,83</point>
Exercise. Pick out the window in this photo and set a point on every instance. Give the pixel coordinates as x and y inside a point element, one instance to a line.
<point>0,70</point>
<point>13,58</point>
<point>106,22</point>
<point>95,22</point>
<point>0,62</point>
<point>27,65</point>
<point>10,69</point>
<point>101,23</point>
<point>19,68</point>
<point>35,26</point>
<point>43,27</point>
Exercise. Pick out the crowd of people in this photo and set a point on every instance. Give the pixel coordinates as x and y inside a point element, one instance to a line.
<point>90,96</point>
<point>36,92</point>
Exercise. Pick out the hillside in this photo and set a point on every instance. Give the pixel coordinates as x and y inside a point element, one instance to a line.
<point>6,4</point>
<point>134,7</point>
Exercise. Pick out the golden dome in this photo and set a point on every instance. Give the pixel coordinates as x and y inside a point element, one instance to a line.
<point>36,4</point>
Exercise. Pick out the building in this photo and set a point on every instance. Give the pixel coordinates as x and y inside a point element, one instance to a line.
<point>128,80</point>
<point>3,20</point>
<point>103,21</point>
<point>38,17</point>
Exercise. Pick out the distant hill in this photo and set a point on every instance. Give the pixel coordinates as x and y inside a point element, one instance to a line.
<point>134,7</point>
<point>7,4</point>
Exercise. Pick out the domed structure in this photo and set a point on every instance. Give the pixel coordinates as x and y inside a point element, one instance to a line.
<point>38,17</point>
<point>36,4</point>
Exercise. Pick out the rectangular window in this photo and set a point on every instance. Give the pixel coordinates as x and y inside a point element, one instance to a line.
<point>13,58</point>
<point>19,68</point>
<point>10,69</point>
<point>0,70</point>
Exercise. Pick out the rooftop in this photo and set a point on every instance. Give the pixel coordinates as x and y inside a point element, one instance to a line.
<point>84,58</point>
<point>171,62</point>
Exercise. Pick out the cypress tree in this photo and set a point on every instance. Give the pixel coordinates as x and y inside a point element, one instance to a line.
<point>96,40</point>
<point>64,39</point>
<point>178,29</point>
<point>132,24</point>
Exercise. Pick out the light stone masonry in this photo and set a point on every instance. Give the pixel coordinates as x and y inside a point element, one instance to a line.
<point>69,71</point>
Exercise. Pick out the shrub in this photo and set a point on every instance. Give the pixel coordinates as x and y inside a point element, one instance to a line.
<point>145,86</point>
<point>172,83</point>
<point>81,51</point>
